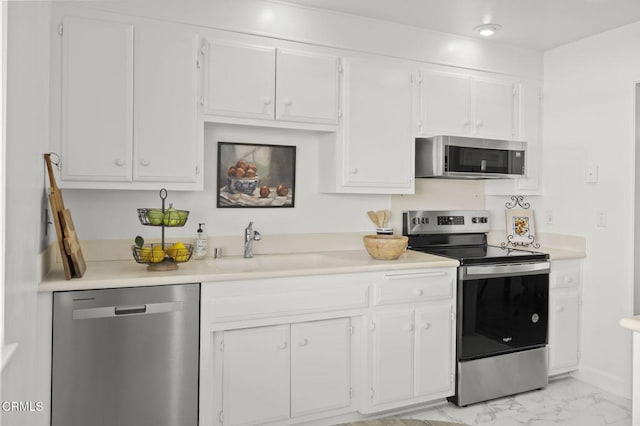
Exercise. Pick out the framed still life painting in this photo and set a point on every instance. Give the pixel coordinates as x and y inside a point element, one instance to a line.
<point>256,175</point>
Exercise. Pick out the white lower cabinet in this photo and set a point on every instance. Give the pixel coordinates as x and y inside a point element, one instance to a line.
<point>410,346</point>
<point>274,373</point>
<point>320,349</point>
<point>564,316</point>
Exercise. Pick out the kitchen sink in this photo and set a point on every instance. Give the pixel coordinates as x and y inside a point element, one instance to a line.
<point>272,262</point>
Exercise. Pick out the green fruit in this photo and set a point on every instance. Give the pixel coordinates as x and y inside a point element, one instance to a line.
<point>171,217</point>
<point>155,216</point>
<point>139,241</point>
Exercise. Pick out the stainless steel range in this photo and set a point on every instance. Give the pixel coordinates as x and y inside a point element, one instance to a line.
<point>502,304</point>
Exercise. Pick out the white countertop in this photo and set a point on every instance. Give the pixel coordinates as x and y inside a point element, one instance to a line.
<point>128,273</point>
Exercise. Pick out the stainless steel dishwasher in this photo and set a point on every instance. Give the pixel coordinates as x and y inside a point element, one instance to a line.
<point>126,356</point>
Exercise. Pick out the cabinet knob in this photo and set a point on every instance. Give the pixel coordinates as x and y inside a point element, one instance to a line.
<point>354,171</point>
<point>425,326</point>
<point>282,345</point>
<point>419,124</point>
<point>559,308</point>
<point>410,327</point>
<point>568,279</point>
<point>466,123</point>
<point>144,163</point>
<point>120,162</point>
<point>303,342</point>
<point>287,102</point>
<point>479,123</point>
<point>266,100</point>
<point>418,292</point>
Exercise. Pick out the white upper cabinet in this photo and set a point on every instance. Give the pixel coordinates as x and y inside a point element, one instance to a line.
<point>239,80</point>
<point>307,88</point>
<point>464,104</point>
<point>128,95</point>
<point>166,110</point>
<point>373,150</point>
<point>254,81</point>
<point>96,115</point>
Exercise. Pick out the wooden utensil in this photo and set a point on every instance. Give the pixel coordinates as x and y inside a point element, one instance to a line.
<point>373,217</point>
<point>380,215</point>
<point>72,260</point>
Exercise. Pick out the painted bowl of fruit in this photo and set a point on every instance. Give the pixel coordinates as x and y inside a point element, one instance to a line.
<point>243,185</point>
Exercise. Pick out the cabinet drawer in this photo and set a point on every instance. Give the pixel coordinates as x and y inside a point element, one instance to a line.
<point>415,286</point>
<point>264,298</point>
<point>565,274</point>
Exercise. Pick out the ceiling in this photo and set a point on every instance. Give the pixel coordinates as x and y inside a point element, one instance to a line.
<point>535,24</point>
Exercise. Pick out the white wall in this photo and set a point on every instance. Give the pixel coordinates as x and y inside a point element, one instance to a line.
<point>27,139</point>
<point>589,96</point>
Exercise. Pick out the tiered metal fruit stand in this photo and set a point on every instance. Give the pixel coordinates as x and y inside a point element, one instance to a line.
<point>162,256</point>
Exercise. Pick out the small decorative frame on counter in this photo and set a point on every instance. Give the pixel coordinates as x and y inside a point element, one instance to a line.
<point>519,224</point>
<point>256,175</point>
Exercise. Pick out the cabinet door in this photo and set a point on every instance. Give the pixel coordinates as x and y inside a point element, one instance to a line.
<point>434,350</point>
<point>256,375</point>
<point>444,103</point>
<point>494,109</point>
<point>240,80</point>
<point>166,104</point>
<point>320,359</point>
<point>378,136</point>
<point>393,347</point>
<point>96,100</point>
<point>307,87</point>
<point>564,331</point>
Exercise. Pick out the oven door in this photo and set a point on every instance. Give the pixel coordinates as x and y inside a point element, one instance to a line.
<point>502,308</point>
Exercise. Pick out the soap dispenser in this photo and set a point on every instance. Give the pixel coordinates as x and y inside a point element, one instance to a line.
<point>201,244</point>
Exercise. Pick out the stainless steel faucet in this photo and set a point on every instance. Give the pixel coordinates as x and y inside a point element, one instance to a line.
<point>249,237</point>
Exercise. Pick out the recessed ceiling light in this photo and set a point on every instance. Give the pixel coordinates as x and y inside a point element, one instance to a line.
<point>487,30</point>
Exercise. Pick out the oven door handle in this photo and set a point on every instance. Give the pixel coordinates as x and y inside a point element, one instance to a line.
<point>505,270</point>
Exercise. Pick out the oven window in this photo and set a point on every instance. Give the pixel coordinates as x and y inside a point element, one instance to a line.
<point>482,160</point>
<point>501,315</point>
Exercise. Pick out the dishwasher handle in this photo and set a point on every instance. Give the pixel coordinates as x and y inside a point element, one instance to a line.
<point>128,310</point>
<point>124,310</point>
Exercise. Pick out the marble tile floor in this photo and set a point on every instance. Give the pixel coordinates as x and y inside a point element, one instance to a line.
<point>565,401</point>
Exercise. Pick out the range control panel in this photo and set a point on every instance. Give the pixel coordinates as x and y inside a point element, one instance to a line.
<point>454,221</point>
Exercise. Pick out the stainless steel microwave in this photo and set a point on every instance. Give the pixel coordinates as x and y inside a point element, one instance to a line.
<point>470,158</point>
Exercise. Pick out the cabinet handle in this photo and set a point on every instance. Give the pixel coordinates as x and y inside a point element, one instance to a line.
<point>282,345</point>
<point>144,163</point>
<point>425,326</point>
<point>120,162</point>
<point>266,100</point>
<point>418,292</point>
<point>559,308</point>
<point>287,102</point>
<point>303,342</point>
<point>354,171</point>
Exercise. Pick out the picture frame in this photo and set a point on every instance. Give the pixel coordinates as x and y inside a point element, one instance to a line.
<point>253,175</point>
<point>520,227</point>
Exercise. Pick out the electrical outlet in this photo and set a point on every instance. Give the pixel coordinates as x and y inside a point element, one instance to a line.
<point>548,217</point>
<point>601,219</point>
<point>591,174</point>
